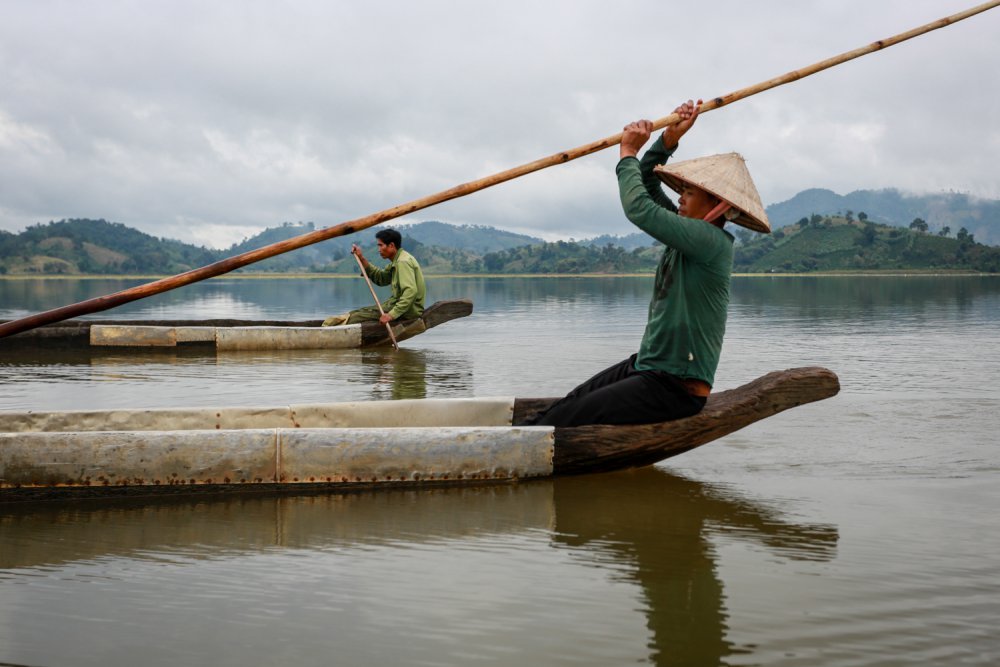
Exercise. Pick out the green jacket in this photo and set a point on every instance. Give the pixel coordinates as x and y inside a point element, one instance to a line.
<point>687,314</point>
<point>408,290</point>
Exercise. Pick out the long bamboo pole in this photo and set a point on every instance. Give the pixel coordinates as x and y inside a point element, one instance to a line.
<point>364,274</point>
<point>98,304</point>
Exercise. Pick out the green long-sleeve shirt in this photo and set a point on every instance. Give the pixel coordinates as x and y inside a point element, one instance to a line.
<point>687,314</point>
<point>408,289</point>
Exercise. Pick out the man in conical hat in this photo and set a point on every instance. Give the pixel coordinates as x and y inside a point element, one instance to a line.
<point>672,374</point>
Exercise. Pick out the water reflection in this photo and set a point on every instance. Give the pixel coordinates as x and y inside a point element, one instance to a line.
<point>41,378</point>
<point>265,298</point>
<point>246,298</point>
<point>399,374</point>
<point>661,525</point>
<point>868,298</point>
<point>379,373</point>
<point>304,298</point>
<point>214,528</point>
<point>648,526</point>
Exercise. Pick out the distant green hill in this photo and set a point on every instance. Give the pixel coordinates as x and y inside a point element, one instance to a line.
<point>824,243</point>
<point>629,241</point>
<point>981,217</point>
<point>459,243</point>
<point>297,261</point>
<point>478,239</point>
<point>96,246</point>
<point>570,257</point>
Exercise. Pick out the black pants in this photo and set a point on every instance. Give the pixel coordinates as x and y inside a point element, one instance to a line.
<point>623,395</point>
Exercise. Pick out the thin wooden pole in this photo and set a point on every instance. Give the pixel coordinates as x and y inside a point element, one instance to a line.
<point>232,263</point>
<point>378,303</point>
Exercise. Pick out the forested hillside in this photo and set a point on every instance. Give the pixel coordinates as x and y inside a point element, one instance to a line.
<point>827,243</point>
<point>478,239</point>
<point>96,246</point>
<point>981,217</point>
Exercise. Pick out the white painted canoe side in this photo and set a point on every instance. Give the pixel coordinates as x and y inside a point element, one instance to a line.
<point>358,414</point>
<point>287,456</point>
<point>227,338</point>
<point>287,338</point>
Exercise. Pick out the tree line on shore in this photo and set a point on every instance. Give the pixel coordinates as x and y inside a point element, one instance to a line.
<point>846,242</point>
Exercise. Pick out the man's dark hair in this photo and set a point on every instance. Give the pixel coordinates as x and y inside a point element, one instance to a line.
<point>388,236</point>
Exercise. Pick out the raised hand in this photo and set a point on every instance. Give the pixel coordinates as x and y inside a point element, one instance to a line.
<point>689,114</point>
<point>634,137</point>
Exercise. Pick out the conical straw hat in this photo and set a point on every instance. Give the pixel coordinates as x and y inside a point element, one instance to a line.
<point>724,176</point>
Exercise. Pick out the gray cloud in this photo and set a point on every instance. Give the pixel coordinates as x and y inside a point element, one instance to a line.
<point>208,121</point>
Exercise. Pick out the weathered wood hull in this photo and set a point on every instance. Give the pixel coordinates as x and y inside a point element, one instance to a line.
<point>339,447</point>
<point>229,334</point>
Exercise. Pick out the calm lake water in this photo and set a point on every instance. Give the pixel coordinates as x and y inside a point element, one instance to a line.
<point>861,530</point>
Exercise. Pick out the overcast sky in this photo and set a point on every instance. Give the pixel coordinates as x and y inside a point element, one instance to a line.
<point>209,121</point>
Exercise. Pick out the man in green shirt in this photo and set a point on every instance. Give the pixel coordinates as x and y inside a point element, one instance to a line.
<point>403,273</point>
<point>673,372</point>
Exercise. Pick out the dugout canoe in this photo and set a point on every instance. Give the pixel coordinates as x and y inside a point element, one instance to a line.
<point>233,334</point>
<point>351,446</point>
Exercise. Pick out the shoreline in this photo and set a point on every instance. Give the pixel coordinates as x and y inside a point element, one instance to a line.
<point>431,276</point>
